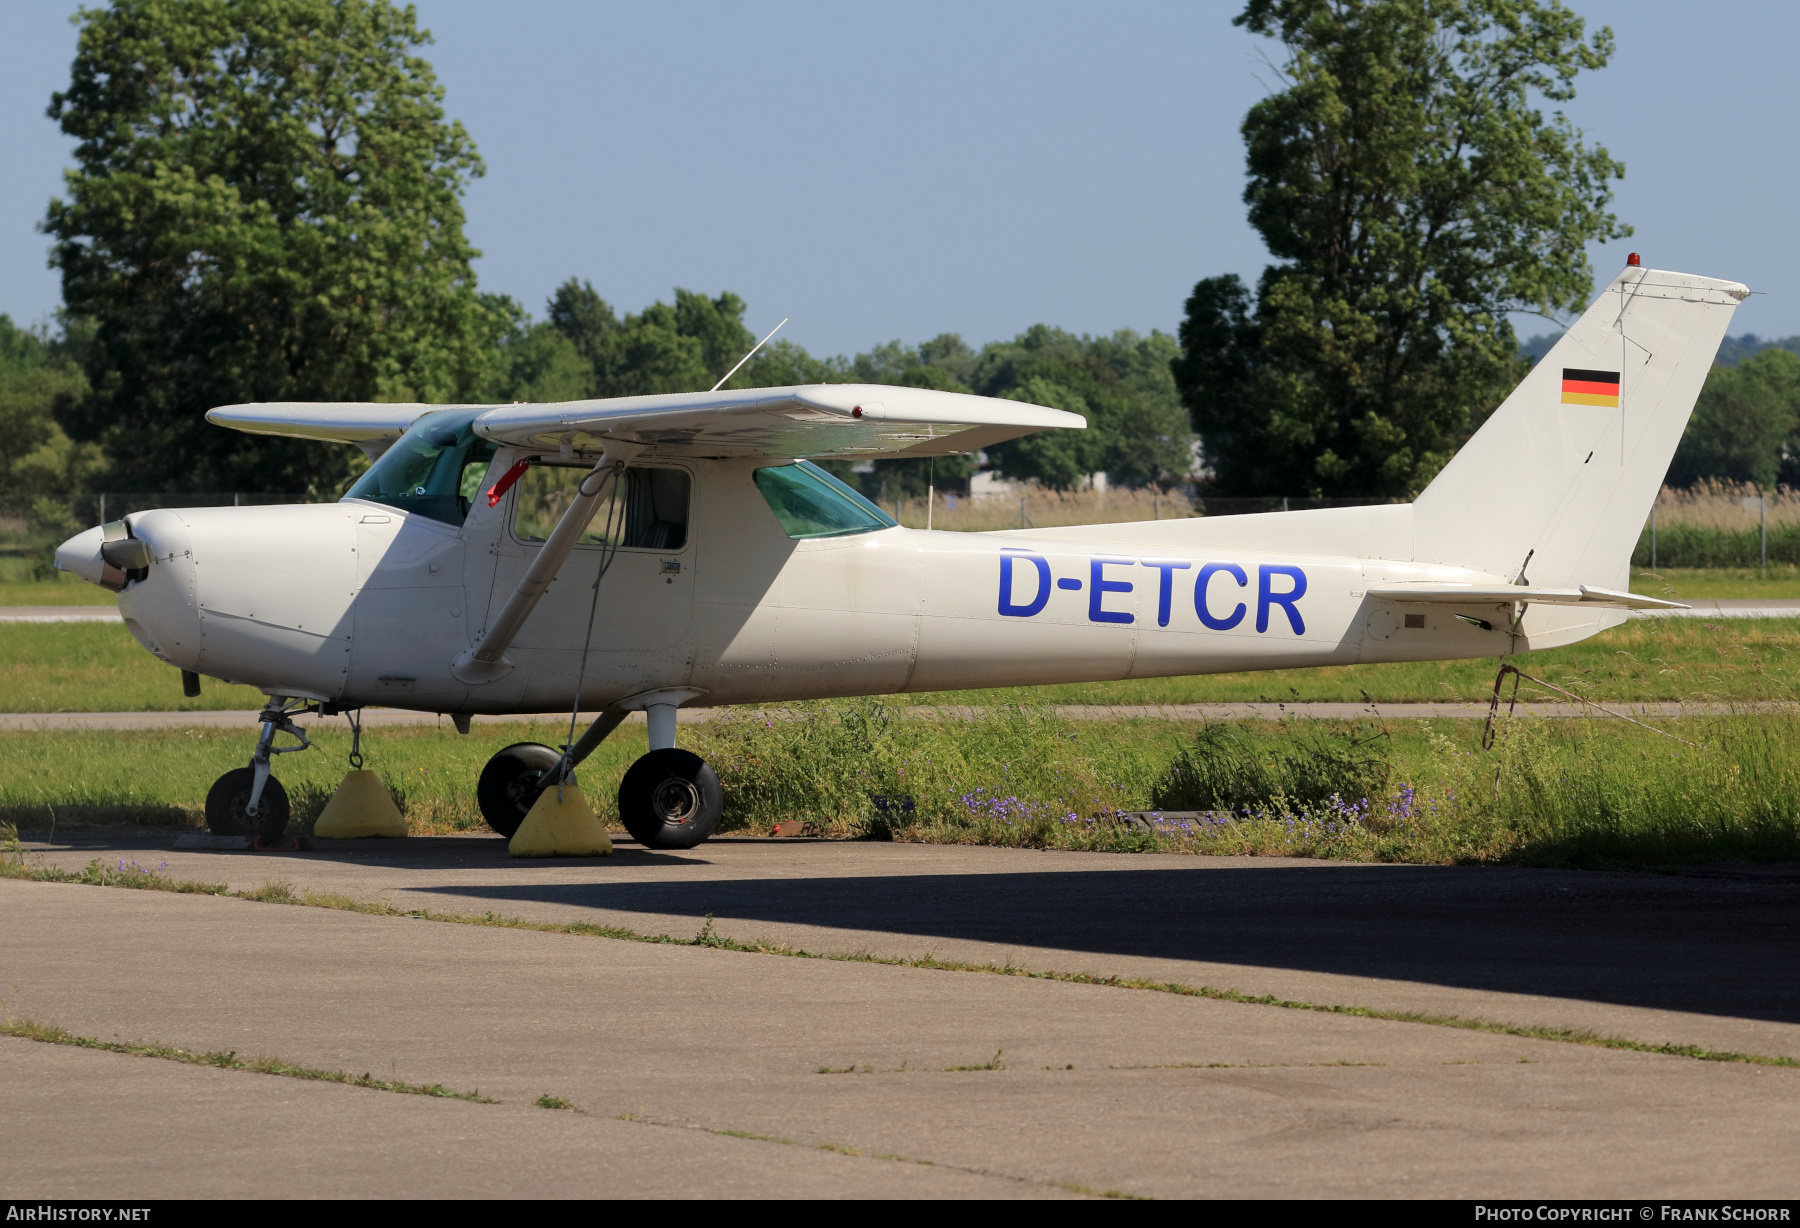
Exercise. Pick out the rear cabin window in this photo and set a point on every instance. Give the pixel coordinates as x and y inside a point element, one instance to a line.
<point>654,507</point>
<point>434,470</point>
<point>811,503</point>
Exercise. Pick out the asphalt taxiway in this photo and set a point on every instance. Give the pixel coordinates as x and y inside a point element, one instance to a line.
<point>698,1071</point>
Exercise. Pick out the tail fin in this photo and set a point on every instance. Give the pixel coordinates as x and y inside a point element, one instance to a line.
<point>1564,472</point>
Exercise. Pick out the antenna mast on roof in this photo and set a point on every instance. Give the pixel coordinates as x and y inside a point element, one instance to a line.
<point>746,358</point>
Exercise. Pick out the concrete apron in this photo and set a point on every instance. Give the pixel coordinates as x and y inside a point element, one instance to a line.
<point>1690,959</point>
<point>665,1048</point>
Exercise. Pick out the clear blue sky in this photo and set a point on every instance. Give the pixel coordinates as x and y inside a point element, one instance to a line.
<point>901,170</point>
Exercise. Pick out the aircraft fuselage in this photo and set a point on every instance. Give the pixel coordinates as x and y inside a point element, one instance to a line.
<point>361,603</point>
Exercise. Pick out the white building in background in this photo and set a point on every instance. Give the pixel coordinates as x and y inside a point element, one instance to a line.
<point>988,482</point>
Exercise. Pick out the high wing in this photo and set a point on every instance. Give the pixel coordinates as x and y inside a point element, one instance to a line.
<point>813,420</point>
<point>359,422</point>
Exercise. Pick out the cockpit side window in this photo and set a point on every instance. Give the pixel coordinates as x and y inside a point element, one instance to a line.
<point>811,503</point>
<point>434,470</point>
<point>654,506</point>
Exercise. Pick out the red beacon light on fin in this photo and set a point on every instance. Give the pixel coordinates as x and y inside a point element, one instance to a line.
<point>1632,261</point>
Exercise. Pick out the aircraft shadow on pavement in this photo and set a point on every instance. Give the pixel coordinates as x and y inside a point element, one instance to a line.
<point>1631,939</point>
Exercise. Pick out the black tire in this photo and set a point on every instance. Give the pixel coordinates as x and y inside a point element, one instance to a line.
<point>670,799</point>
<point>508,784</point>
<point>227,800</point>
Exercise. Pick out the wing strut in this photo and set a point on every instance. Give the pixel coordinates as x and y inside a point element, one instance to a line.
<point>487,662</point>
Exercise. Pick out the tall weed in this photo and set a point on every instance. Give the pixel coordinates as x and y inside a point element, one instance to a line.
<point>1015,775</point>
<point>1224,768</point>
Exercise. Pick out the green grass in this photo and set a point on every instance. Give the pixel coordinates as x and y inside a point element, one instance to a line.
<point>87,667</point>
<point>225,1060</point>
<point>159,777</point>
<point>1780,582</point>
<point>64,590</point>
<point>1596,792</point>
<point>24,582</point>
<point>1641,660</point>
<point>97,667</point>
<point>1565,792</point>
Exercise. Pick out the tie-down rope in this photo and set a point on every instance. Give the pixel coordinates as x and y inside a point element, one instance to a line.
<point>1487,732</point>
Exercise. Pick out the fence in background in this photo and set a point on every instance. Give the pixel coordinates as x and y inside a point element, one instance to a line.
<point>1721,524</point>
<point>1712,524</point>
<point>1035,508</point>
<point>24,521</point>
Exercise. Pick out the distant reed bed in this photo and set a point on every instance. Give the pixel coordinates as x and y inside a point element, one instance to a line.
<point>1037,507</point>
<point>1721,524</point>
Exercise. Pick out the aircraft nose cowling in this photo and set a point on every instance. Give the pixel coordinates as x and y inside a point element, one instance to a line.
<point>80,555</point>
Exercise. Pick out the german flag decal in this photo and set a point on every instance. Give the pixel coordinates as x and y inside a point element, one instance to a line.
<point>1590,387</point>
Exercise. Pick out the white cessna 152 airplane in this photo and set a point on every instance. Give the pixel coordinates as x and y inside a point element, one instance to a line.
<point>643,553</point>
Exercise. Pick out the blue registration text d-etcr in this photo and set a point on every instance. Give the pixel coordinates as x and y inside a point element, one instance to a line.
<point>1025,591</point>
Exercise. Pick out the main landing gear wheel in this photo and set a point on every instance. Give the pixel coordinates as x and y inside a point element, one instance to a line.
<point>509,784</point>
<point>228,806</point>
<point>670,799</point>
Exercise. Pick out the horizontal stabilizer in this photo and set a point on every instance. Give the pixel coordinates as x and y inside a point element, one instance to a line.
<point>1480,594</point>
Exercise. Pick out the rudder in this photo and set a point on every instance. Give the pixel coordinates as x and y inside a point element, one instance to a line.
<point>1565,471</point>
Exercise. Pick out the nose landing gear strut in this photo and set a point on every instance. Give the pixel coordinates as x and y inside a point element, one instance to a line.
<point>248,801</point>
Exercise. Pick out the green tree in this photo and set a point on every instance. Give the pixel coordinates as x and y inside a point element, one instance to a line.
<point>265,206</point>
<point>38,377</point>
<point>1747,418</point>
<point>534,362</point>
<point>1734,350</point>
<point>1137,431</point>
<point>583,348</point>
<point>1412,195</point>
<point>943,363</point>
<point>783,364</point>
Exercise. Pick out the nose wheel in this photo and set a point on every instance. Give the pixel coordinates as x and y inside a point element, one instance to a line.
<point>228,806</point>
<point>247,801</point>
<point>670,799</point>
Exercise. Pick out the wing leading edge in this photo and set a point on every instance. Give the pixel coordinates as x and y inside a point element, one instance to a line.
<point>816,420</point>
<point>358,422</point>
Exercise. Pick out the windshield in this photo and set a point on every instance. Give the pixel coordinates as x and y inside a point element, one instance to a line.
<point>433,470</point>
<point>811,503</point>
